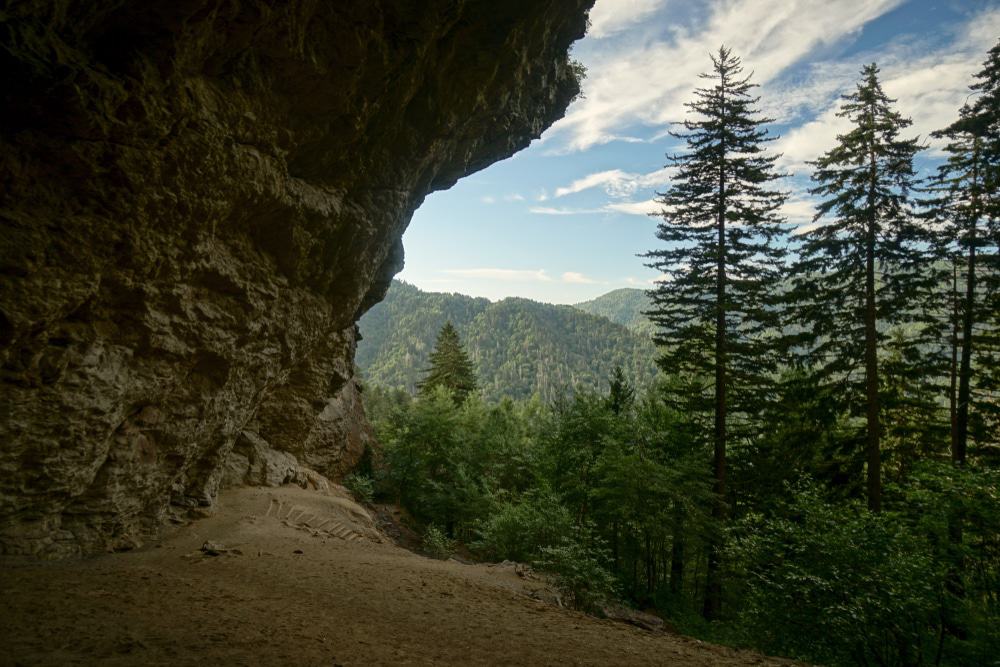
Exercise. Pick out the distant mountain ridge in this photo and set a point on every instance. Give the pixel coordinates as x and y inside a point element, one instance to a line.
<point>519,347</point>
<point>625,306</point>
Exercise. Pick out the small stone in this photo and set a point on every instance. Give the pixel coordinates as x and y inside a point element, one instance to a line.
<point>213,549</point>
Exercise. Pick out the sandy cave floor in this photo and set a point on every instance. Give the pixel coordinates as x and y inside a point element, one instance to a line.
<point>346,599</point>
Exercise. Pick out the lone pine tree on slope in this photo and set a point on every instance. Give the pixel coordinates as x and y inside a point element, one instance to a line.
<point>722,258</point>
<point>450,366</point>
<point>862,267</point>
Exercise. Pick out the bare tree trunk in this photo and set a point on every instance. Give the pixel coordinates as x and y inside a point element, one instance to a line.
<point>677,554</point>
<point>958,452</point>
<point>713,585</point>
<point>953,386</point>
<point>873,450</point>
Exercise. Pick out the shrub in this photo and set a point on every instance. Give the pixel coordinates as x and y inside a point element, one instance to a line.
<point>362,486</point>
<point>436,544</point>
<point>519,530</point>
<point>836,584</point>
<point>579,574</point>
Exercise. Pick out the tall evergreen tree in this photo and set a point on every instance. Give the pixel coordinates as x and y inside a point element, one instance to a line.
<point>858,271</point>
<point>986,111</point>
<point>966,210</point>
<point>721,261</point>
<point>450,366</point>
<point>621,394</point>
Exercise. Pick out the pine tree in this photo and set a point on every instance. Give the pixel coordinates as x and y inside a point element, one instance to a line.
<point>450,367</point>
<point>621,395</point>
<point>859,270</point>
<point>967,209</point>
<point>721,261</point>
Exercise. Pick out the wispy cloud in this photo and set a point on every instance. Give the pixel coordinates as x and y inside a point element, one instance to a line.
<point>609,17</point>
<point>551,210</point>
<point>644,208</point>
<point>647,82</point>
<point>930,84</point>
<point>642,282</point>
<point>505,275</point>
<point>617,183</point>
<point>578,278</point>
<point>798,210</point>
<point>647,207</point>
<point>517,276</point>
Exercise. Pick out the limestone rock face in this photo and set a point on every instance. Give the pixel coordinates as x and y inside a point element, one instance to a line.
<point>199,199</point>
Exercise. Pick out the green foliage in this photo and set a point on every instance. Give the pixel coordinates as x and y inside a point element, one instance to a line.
<point>862,267</point>
<point>723,251</point>
<point>436,544</point>
<point>723,255</point>
<point>836,584</point>
<point>450,367</point>
<point>579,574</point>
<point>624,468</point>
<point>362,486</point>
<point>429,463</point>
<point>965,210</point>
<point>518,348</point>
<point>605,480</point>
<point>931,501</point>
<point>519,530</point>
<point>626,306</point>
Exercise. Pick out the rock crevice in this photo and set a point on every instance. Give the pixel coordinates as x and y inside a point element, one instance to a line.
<point>200,198</point>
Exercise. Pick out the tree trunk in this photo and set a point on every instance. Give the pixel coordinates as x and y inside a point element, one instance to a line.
<point>713,586</point>
<point>965,370</point>
<point>677,554</point>
<point>873,451</point>
<point>614,545</point>
<point>650,565</point>
<point>953,385</point>
<point>961,430</point>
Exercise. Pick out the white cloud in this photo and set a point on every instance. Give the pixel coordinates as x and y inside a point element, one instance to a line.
<point>612,16</point>
<point>514,197</point>
<point>577,278</point>
<point>488,199</point>
<point>658,178</point>
<point>506,275</point>
<point>929,85</point>
<point>550,210</point>
<point>646,83</point>
<point>617,183</point>
<point>798,210</point>
<point>644,283</point>
<point>648,207</point>
<point>809,92</point>
<point>644,208</point>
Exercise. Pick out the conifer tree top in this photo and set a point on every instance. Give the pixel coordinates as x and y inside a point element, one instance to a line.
<point>450,366</point>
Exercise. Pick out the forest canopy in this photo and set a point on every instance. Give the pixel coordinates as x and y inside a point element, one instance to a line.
<point>815,469</point>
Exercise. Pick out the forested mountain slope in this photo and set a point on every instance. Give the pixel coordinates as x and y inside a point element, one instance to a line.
<point>519,347</point>
<point>623,306</point>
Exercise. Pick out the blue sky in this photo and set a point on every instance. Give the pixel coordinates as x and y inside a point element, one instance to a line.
<point>563,220</point>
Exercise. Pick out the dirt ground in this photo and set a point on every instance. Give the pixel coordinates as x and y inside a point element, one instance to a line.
<point>308,584</point>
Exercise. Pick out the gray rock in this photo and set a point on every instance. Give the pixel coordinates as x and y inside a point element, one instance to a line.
<point>199,202</point>
<point>617,612</point>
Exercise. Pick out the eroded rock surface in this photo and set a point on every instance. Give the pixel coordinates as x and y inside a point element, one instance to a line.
<point>199,199</point>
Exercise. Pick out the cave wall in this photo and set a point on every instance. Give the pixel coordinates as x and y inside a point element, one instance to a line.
<point>199,199</point>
